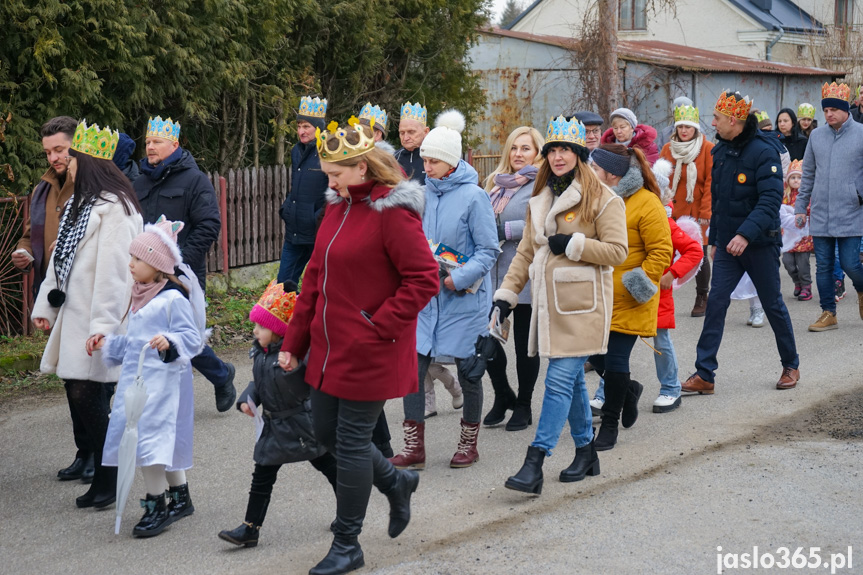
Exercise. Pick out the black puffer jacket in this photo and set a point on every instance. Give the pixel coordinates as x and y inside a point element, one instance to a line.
<point>284,398</point>
<point>177,189</point>
<point>304,206</point>
<point>412,164</point>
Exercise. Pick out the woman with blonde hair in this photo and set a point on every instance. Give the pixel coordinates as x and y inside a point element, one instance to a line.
<point>575,232</point>
<point>510,187</point>
<point>370,274</point>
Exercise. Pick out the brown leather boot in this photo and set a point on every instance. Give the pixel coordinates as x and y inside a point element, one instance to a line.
<point>414,454</point>
<point>789,378</point>
<point>700,307</point>
<point>466,454</point>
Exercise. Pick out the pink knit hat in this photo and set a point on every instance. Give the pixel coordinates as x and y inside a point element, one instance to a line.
<point>157,246</point>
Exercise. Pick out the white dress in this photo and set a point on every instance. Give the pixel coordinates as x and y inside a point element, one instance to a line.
<point>165,427</point>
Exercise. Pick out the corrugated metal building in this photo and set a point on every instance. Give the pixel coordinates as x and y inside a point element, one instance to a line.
<point>529,78</point>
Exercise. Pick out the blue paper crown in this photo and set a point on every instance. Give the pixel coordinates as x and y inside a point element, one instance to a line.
<point>414,112</point>
<point>159,128</point>
<point>563,130</point>
<point>375,113</point>
<point>313,107</point>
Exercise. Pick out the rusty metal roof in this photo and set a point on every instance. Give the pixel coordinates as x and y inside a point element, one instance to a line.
<point>679,57</point>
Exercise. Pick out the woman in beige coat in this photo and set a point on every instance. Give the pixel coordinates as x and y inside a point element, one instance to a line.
<point>575,231</point>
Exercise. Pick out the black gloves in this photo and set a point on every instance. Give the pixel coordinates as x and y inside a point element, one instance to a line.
<point>505,309</point>
<point>557,243</point>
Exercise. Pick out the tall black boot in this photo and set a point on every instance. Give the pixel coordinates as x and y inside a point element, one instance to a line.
<point>246,535</point>
<point>630,404</point>
<point>504,399</point>
<point>155,518</point>
<point>616,386</point>
<point>328,466</point>
<point>521,414</point>
<point>529,477</point>
<point>399,497</point>
<point>586,462</point>
<point>381,435</point>
<point>345,555</point>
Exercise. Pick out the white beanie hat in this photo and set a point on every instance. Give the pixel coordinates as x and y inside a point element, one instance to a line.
<point>444,141</point>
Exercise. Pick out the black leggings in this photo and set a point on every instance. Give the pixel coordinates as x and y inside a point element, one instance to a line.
<point>264,477</point>
<point>617,357</point>
<point>91,402</point>
<point>526,368</point>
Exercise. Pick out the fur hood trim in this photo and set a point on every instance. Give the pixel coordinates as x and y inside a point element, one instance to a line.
<point>407,194</point>
<point>630,183</point>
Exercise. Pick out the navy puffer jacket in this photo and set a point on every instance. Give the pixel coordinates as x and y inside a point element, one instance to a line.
<point>304,206</point>
<point>747,188</point>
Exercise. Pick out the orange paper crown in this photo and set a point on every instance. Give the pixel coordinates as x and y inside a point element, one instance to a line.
<point>274,304</point>
<point>730,105</point>
<point>796,167</point>
<point>834,90</point>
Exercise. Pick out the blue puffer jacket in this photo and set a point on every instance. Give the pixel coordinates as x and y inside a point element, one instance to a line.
<point>747,188</point>
<point>458,213</point>
<point>180,191</point>
<point>304,206</point>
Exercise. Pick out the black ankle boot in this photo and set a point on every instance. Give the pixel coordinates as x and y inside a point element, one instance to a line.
<point>400,501</point>
<point>630,404</point>
<point>503,400</point>
<point>529,477</point>
<point>103,490</point>
<point>586,462</point>
<point>616,388</point>
<point>179,502</point>
<point>345,555</point>
<point>521,418</point>
<point>155,518</point>
<point>246,535</point>
<point>607,437</point>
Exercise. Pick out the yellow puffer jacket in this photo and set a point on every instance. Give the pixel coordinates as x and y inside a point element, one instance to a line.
<point>649,237</point>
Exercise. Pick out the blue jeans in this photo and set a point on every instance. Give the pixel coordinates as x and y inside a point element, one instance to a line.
<point>565,399</point>
<point>762,264</point>
<point>294,260</point>
<point>211,367</point>
<point>849,260</point>
<point>666,367</point>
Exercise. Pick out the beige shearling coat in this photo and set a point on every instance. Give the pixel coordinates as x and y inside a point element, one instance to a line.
<point>572,293</point>
<point>98,291</point>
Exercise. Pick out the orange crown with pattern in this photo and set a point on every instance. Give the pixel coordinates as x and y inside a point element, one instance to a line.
<point>796,167</point>
<point>733,105</point>
<point>274,309</point>
<point>834,90</point>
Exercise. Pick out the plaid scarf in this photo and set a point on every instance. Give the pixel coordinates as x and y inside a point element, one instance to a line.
<point>68,237</point>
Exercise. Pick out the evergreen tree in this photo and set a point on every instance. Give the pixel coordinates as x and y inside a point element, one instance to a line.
<point>511,11</point>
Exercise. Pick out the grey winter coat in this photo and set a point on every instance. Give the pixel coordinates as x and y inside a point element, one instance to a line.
<point>284,398</point>
<point>514,213</point>
<point>833,181</point>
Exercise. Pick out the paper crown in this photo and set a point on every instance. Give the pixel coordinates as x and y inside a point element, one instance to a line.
<point>344,150</point>
<point>414,112</point>
<point>94,142</point>
<point>313,107</point>
<point>167,129</point>
<point>762,115</point>
<point>686,115</point>
<point>834,90</point>
<point>276,302</point>
<point>796,167</point>
<point>806,111</point>
<point>733,105</point>
<point>562,130</point>
<point>375,113</point>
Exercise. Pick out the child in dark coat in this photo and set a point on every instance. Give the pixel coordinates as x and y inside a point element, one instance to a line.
<point>282,399</point>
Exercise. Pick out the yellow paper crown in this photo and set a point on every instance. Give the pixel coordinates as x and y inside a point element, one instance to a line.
<point>834,90</point>
<point>686,115</point>
<point>94,142</point>
<point>343,149</point>
<point>166,129</point>
<point>731,105</point>
<point>806,111</point>
<point>414,112</point>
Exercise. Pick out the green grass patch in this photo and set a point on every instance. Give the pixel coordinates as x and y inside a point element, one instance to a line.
<point>228,315</point>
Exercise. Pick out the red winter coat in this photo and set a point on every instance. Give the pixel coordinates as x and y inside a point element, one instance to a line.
<point>370,274</point>
<point>691,254</point>
<point>643,138</point>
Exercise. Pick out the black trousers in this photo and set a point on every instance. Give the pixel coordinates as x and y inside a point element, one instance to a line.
<point>345,427</point>
<point>526,368</point>
<point>79,431</point>
<point>91,402</point>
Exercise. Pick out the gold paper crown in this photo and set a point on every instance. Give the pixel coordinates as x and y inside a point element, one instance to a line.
<point>345,149</point>
<point>414,112</point>
<point>834,90</point>
<point>166,129</point>
<point>806,111</point>
<point>95,142</point>
<point>688,115</point>
<point>729,105</point>
<point>313,107</point>
<point>278,302</point>
<point>796,166</point>
<point>761,116</point>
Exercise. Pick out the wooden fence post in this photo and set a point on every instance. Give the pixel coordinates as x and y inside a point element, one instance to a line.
<point>223,208</point>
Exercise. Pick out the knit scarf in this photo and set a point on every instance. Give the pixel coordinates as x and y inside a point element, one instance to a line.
<point>68,237</point>
<point>143,293</point>
<point>506,185</point>
<point>686,153</point>
<point>558,184</point>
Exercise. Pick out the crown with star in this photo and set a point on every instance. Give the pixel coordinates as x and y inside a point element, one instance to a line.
<point>733,104</point>
<point>561,129</point>
<point>416,112</point>
<point>376,113</point>
<point>99,143</point>
<point>313,107</point>
<point>338,143</point>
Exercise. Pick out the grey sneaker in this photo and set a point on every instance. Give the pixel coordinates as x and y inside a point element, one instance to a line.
<point>757,317</point>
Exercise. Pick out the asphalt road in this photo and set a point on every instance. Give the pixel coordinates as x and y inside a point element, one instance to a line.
<point>749,466</point>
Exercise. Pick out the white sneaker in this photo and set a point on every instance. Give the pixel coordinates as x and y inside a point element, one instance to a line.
<point>666,403</point>
<point>757,317</point>
<point>458,400</point>
<point>596,406</point>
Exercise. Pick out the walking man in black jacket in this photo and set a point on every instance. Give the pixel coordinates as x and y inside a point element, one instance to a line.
<point>412,132</point>
<point>171,184</point>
